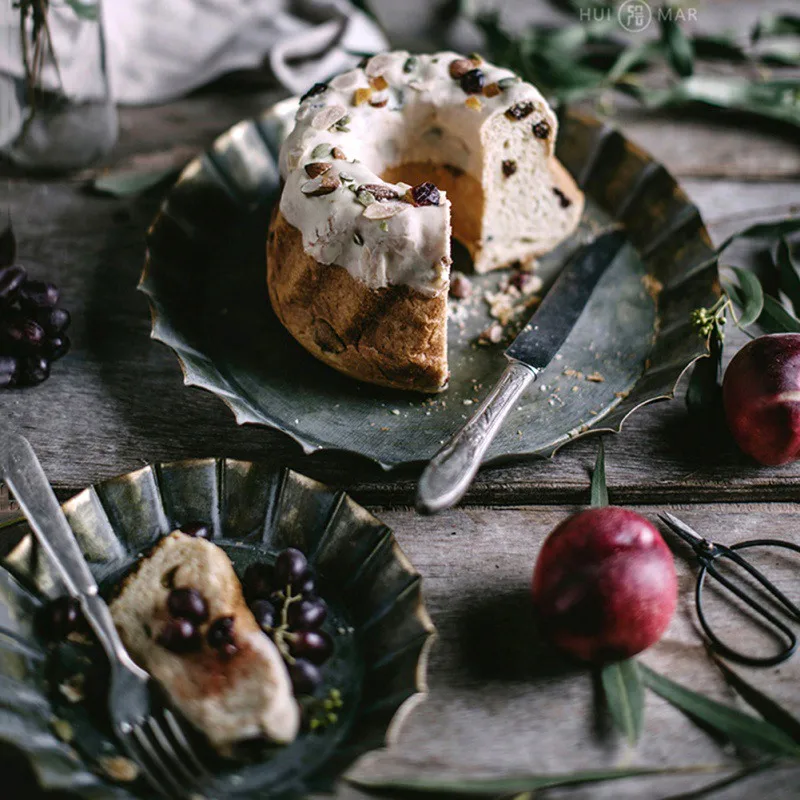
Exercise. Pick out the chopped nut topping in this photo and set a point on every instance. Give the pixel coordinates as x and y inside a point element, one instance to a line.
<point>324,184</point>
<point>379,101</point>
<point>473,103</point>
<point>379,83</point>
<point>563,200</point>
<point>460,67</point>
<point>328,116</point>
<point>507,83</point>
<point>337,153</point>
<point>321,150</point>
<point>509,167</point>
<point>358,238</point>
<point>378,64</point>
<point>360,96</point>
<point>520,110</point>
<point>476,58</point>
<point>541,130</point>
<point>379,191</point>
<point>316,168</point>
<point>384,210</point>
<point>492,90</point>
<point>364,197</point>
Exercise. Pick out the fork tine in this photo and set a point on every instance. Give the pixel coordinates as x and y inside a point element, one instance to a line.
<point>141,763</point>
<point>154,757</point>
<point>169,753</point>
<point>179,735</point>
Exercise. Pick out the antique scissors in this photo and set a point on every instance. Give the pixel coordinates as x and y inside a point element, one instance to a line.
<point>708,553</point>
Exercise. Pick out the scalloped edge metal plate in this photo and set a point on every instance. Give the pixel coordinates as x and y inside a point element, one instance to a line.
<point>251,503</point>
<point>663,225</point>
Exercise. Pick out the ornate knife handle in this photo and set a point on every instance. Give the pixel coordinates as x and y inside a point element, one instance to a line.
<point>450,472</point>
<point>25,477</point>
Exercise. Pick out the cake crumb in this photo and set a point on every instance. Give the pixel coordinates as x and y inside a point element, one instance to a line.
<point>119,768</point>
<point>73,688</point>
<point>596,377</point>
<point>62,729</point>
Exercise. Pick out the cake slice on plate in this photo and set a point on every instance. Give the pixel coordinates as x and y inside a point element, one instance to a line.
<point>384,164</point>
<point>183,618</point>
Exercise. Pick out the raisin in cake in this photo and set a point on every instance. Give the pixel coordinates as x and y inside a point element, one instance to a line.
<point>219,669</point>
<point>384,163</point>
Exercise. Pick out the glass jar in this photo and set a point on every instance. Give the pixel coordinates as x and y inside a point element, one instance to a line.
<point>56,108</point>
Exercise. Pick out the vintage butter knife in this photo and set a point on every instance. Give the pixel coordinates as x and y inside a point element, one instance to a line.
<point>450,472</point>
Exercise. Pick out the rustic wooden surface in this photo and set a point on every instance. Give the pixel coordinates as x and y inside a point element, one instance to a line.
<point>499,699</point>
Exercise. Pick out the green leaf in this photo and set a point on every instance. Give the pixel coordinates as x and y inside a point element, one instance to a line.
<point>776,25</point>
<point>776,319</point>
<point>718,47</point>
<point>632,57</point>
<point>788,273</point>
<point>742,729</point>
<point>678,47</point>
<point>124,184</point>
<point>749,297</point>
<point>771,710</point>
<point>764,230</point>
<point>513,784</point>
<point>84,10</point>
<point>624,691</point>
<point>781,53</point>
<point>599,488</point>
<point>779,100</point>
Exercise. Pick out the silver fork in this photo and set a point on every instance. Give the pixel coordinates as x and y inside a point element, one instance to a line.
<point>150,734</point>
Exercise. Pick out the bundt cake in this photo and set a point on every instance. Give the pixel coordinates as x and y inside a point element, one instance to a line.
<point>183,618</point>
<point>384,163</point>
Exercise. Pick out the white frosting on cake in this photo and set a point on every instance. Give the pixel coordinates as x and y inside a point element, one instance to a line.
<point>421,114</point>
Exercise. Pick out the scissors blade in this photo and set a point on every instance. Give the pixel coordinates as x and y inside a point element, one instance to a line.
<point>688,534</point>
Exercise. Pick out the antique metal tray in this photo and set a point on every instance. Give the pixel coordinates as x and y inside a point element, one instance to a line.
<point>205,277</point>
<point>377,617</point>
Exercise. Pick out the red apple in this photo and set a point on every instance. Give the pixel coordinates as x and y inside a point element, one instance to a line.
<point>761,392</point>
<point>604,585</point>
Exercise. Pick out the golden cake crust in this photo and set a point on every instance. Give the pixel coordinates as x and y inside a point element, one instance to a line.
<point>393,336</point>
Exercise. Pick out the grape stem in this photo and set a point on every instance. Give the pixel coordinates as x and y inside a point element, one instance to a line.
<point>281,635</point>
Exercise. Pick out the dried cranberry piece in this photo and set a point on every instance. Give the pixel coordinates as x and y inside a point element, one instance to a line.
<point>509,167</point>
<point>564,201</point>
<point>425,194</point>
<point>187,603</point>
<point>472,81</point>
<point>541,130</point>
<point>317,88</point>
<point>180,636</point>
<point>220,633</point>
<point>520,110</point>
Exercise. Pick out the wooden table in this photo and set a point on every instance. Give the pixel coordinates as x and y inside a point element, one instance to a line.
<point>498,697</point>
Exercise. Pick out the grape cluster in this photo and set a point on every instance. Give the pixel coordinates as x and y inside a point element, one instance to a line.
<point>32,327</point>
<point>287,608</point>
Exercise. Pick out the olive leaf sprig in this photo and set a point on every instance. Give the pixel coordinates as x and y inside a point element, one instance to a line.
<point>758,303</point>
<point>585,60</point>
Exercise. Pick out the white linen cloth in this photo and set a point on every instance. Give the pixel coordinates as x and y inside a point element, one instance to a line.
<point>158,50</point>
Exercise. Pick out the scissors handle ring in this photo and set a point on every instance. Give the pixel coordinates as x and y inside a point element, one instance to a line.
<point>707,567</point>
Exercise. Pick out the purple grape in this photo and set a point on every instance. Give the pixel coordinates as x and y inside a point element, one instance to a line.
<point>8,371</point>
<point>305,676</point>
<point>54,320</point>
<point>180,636</point>
<point>39,294</point>
<point>11,279</point>
<point>33,371</point>
<point>306,583</point>
<point>257,582</point>
<point>22,334</point>
<point>290,566</point>
<point>62,617</point>
<point>315,646</point>
<point>307,614</point>
<point>472,81</point>
<point>198,530</point>
<point>220,632</point>
<point>188,604</point>
<point>57,347</point>
<point>266,615</point>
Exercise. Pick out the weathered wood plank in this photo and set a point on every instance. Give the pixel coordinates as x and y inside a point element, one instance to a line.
<point>117,400</point>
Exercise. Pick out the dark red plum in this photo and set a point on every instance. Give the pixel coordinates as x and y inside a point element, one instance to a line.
<point>604,585</point>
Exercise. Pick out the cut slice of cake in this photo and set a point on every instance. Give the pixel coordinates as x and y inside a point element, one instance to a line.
<point>183,618</point>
